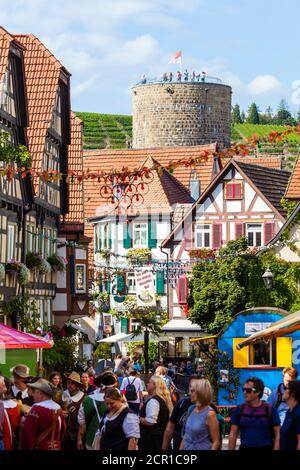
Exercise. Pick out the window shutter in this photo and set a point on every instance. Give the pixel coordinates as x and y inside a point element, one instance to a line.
<point>109,237</point>
<point>188,237</point>
<point>108,284</point>
<point>239,230</point>
<point>284,352</point>
<point>124,325</point>
<point>127,238</point>
<point>216,236</point>
<point>269,231</point>
<point>237,191</point>
<point>120,284</point>
<point>182,289</point>
<point>229,191</point>
<point>152,241</point>
<point>240,358</point>
<point>160,282</point>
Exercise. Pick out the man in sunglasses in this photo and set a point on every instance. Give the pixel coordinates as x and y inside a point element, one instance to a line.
<point>277,396</point>
<point>257,421</point>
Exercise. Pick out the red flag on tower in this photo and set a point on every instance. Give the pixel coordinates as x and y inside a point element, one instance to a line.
<point>176,59</point>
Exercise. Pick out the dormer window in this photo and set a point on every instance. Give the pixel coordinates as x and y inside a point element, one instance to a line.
<point>233,190</point>
<point>7,98</point>
<point>195,186</point>
<point>57,113</point>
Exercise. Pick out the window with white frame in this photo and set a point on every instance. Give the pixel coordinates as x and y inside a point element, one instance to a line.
<point>11,241</point>
<point>131,285</point>
<point>202,235</point>
<point>140,235</point>
<point>80,278</point>
<point>30,237</point>
<point>254,234</point>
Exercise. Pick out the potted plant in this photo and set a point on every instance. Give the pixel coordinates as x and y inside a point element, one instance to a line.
<point>45,267</point>
<point>23,275</point>
<point>57,263</point>
<point>2,272</point>
<point>33,260</point>
<point>12,267</point>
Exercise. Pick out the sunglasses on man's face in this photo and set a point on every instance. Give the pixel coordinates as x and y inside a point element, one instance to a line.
<point>249,390</point>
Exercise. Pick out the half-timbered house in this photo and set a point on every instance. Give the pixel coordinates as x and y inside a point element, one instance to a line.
<point>48,133</point>
<point>15,196</point>
<point>242,200</point>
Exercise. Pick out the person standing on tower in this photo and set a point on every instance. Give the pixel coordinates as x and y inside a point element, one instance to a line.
<point>179,76</point>
<point>171,77</point>
<point>186,76</point>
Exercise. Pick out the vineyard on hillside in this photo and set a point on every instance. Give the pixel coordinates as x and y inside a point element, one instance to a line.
<point>114,131</point>
<point>102,131</point>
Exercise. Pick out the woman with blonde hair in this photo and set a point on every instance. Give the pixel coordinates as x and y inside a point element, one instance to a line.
<point>119,424</point>
<point>154,415</point>
<point>202,427</point>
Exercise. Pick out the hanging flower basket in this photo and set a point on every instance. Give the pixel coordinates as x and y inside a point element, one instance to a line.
<point>57,263</point>
<point>33,261</point>
<point>2,272</point>
<point>45,267</point>
<point>12,267</point>
<point>23,276</point>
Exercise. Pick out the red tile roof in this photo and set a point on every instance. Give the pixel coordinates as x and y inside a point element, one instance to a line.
<point>5,41</point>
<point>75,162</point>
<point>42,71</point>
<point>293,189</point>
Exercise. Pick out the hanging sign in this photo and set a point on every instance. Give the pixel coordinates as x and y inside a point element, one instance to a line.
<point>145,292</point>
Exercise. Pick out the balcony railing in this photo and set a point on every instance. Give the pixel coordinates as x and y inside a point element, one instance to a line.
<point>184,77</point>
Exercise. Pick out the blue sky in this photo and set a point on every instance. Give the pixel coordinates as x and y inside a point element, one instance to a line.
<point>251,45</point>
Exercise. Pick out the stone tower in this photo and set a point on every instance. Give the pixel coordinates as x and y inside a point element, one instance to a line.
<point>181,114</point>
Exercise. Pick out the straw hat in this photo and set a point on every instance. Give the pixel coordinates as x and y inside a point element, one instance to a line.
<point>43,385</point>
<point>74,377</point>
<point>21,370</point>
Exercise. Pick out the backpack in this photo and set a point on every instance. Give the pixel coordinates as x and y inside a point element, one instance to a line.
<point>267,408</point>
<point>130,392</point>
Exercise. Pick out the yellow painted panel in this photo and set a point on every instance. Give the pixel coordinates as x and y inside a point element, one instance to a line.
<point>240,358</point>
<point>284,352</point>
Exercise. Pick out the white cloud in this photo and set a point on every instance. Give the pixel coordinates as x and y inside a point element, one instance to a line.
<point>263,84</point>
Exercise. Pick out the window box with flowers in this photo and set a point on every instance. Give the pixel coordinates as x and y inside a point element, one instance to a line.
<point>202,253</point>
<point>57,263</point>
<point>138,255</point>
<point>33,261</point>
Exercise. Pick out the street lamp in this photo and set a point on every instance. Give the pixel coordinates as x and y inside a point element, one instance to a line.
<point>268,278</point>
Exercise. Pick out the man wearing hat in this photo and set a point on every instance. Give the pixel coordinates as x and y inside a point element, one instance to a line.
<point>72,397</point>
<point>92,409</point>
<point>44,427</point>
<point>19,388</point>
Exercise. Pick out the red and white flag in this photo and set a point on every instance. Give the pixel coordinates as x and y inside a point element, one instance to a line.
<point>176,59</point>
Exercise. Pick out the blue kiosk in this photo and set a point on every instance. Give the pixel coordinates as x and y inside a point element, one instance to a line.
<point>258,349</point>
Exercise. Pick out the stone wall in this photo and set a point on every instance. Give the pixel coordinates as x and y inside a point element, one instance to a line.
<point>181,114</point>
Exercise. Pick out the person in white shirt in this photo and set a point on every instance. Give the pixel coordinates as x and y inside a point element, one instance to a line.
<point>136,403</point>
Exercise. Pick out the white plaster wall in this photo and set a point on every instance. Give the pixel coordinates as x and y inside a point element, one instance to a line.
<point>232,231</point>
<point>234,206</point>
<point>218,196</point>
<point>60,303</point>
<point>238,176</point>
<point>249,195</point>
<point>61,280</point>
<point>224,233</point>
<point>162,230</point>
<point>261,206</point>
<point>80,254</point>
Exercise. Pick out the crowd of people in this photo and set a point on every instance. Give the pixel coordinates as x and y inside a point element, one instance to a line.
<point>179,76</point>
<point>115,410</point>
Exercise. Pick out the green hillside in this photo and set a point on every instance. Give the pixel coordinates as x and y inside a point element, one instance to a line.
<point>102,131</point>
<point>115,131</point>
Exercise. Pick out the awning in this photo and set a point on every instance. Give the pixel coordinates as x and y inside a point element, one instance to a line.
<point>10,338</point>
<point>282,327</point>
<point>89,325</point>
<point>193,340</point>
<point>115,338</point>
<point>180,326</point>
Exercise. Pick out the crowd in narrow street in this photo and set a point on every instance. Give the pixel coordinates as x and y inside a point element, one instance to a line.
<point>115,410</point>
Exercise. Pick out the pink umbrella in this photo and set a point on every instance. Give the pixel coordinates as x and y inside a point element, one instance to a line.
<point>14,339</point>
